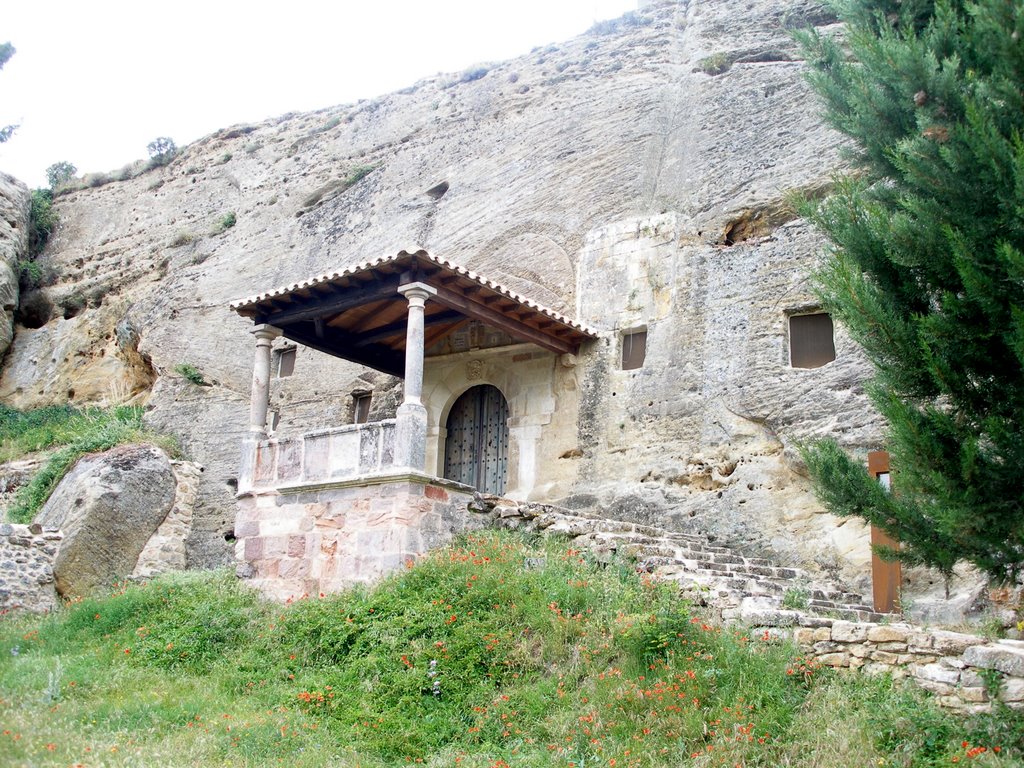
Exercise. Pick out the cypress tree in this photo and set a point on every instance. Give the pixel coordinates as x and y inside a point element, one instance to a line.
<point>926,269</point>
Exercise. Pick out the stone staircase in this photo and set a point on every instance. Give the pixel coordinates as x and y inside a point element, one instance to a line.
<point>751,590</point>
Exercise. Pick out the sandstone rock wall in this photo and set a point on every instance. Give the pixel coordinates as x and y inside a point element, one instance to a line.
<point>14,221</point>
<point>636,174</point>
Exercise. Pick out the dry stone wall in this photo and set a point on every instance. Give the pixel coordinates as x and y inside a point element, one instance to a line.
<point>964,671</point>
<point>27,553</point>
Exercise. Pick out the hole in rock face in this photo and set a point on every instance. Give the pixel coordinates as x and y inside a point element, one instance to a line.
<point>232,482</point>
<point>72,305</point>
<point>35,310</point>
<point>733,234</point>
<point>229,536</point>
<point>437,191</point>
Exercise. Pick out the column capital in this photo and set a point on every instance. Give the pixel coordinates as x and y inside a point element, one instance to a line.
<point>417,293</point>
<point>265,331</point>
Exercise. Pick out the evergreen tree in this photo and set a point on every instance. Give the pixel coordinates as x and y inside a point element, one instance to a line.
<point>6,51</point>
<point>926,269</point>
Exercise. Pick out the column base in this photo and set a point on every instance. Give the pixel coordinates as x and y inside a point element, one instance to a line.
<point>411,436</point>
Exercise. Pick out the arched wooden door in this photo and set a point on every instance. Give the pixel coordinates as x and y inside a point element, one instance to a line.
<point>476,450</point>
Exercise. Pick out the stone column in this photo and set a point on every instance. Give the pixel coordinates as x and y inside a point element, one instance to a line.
<point>411,429</point>
<point>265,335</point>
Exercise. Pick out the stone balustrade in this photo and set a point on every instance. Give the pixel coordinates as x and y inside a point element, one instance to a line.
<point>328,455</point>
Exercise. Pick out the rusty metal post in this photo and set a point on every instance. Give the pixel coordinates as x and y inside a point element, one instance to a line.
<point>886,577</point>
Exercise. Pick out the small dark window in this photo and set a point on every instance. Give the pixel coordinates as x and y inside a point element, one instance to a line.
<point>284,362</point>
<point>361,407</point>
<point>634,350</point>
<point>810,340</point>
<point>437,191</point>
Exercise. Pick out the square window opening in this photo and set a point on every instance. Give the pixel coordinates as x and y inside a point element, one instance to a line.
<point>634,349</point>
<point>284,362</point>
<point>811,343</point>
<point>361,407</point>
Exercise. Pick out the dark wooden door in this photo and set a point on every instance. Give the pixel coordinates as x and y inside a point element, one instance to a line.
<point>476,450</point>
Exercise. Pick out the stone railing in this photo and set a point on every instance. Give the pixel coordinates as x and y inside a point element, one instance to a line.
<point>27,553</point>
<point>329,455</point>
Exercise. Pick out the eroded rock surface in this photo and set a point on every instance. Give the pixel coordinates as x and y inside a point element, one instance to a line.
<point>14,214</point>
<point>108,506</point>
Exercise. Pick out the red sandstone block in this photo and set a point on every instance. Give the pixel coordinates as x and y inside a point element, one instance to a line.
<point>433,492</point>
<point>296,546</point>
<point>253,549</point>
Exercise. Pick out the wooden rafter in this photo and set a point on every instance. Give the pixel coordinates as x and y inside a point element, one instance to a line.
<point>485,314</point>
<point>307,310</point>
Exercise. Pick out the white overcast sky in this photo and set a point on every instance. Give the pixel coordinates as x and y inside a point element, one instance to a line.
<point>93,82</point>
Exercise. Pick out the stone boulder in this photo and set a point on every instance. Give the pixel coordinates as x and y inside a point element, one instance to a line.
<point>108,506</point>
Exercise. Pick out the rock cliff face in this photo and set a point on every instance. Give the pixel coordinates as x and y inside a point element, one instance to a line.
<point>636,176</point>
<point>14,207</point>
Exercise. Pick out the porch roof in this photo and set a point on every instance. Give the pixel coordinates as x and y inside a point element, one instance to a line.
<point>357,313</point>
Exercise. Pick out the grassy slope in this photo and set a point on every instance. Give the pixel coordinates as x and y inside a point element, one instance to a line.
<point>501,652</point>
<point>74,432</point>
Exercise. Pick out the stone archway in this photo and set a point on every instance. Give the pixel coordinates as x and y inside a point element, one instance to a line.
<point>476,449</point>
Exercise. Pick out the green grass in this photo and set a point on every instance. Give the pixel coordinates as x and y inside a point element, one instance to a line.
<point>74,432</point>
<point>226,222</point>
<point>467,659</point>
<point>191,373</point>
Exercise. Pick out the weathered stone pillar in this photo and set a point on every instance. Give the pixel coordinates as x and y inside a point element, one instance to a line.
<point>411,429</point>
<point>265,335</point>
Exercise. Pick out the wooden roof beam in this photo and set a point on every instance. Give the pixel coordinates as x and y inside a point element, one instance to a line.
<point>433,336</point>
<point>379,358</point>
<point>307,310</point>
<point>392,329</point>
<point>513,327</point>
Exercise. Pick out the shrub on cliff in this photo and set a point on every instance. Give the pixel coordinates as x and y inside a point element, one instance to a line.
<point>926,269</point>
<point>161,150</point>
<point>41,221</point>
